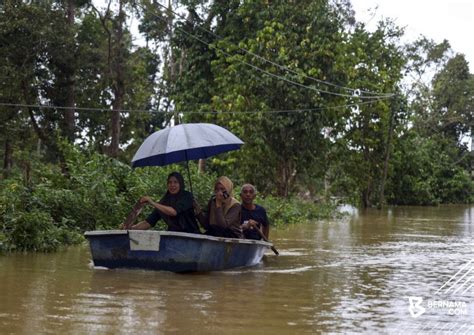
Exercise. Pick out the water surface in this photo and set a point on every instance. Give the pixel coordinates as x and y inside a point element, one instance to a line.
<point>354,274</point>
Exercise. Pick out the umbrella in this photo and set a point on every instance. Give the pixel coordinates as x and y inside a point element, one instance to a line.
<point>185,142</point>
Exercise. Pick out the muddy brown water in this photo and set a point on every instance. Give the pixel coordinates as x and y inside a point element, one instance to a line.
<point>359,274</point>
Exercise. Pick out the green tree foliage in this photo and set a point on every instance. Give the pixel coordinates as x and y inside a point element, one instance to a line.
<point>377,63</point>
<point>235,80</point>
<point>249,42</point>
<point>420,179</point>
<point>26,33</point>
<point>453,93</point>
<point>432,163</point>
<point>50,57</point>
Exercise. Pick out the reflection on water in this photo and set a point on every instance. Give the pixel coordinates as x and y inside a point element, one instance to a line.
<point>350,275</point>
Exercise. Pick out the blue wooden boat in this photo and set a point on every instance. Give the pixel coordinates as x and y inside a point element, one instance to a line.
<point>172,251</point>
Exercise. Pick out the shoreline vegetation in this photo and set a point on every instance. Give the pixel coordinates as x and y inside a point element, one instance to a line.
<point>51,210</point>
<point>43,209</point>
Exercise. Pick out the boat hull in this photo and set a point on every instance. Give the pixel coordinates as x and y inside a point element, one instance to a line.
<point>172,251</point>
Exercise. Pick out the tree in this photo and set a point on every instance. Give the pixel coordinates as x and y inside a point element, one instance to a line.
<point>431,165</point>
<point>303,36</point>
<point>453,94</point>
<point>25,31</point>
<point>117,53</point>
<point>363,141</point>
<point>64,63</point>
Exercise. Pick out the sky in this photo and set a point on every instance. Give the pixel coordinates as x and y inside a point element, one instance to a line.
<point>436,19</point>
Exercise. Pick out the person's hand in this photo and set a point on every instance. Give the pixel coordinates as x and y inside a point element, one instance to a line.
<point>250,224</point>
<point>219,198</point>
<point>145,199</point>
<point>122,226</point>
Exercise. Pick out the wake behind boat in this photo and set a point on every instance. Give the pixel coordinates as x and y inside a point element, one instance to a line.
<point>172,251</point>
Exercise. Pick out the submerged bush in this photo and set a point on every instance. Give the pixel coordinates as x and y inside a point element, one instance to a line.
<point>288,211</point>
<point>97,192</point>
<point>55,209</point>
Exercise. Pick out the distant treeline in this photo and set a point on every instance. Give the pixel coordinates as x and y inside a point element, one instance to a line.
<point>325,106</point>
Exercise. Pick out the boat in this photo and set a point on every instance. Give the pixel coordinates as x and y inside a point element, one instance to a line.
<point>172,251</point>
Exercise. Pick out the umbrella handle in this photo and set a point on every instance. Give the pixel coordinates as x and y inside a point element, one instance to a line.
<point>189,173</point>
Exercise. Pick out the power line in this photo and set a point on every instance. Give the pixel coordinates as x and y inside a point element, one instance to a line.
<point>93,109</point>
<point>85,109</point>
<point>282,67</point>
<point>272,74</point>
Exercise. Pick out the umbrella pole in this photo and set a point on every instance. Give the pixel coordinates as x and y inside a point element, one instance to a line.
<point>189,173</point>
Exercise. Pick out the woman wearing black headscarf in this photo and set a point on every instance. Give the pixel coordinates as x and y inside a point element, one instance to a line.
<point>175,208</point>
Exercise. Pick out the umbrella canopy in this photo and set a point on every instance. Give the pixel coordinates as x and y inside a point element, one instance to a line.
<point>185,142</point>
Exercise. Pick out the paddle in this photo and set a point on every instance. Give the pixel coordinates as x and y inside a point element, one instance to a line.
<point>266,240</point>
<point>132,216</point>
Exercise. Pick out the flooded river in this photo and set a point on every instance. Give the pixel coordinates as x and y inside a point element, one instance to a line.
<point>402,270</point>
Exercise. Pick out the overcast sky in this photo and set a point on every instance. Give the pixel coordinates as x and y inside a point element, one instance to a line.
<point>436,19</point>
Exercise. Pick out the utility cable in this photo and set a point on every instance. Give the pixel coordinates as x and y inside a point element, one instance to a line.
<point>93,109</point>
<point>282,67</point>
<point>272,74</point>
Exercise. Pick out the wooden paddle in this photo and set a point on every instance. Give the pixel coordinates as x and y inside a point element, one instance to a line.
<point>132,216</point>
<point>266,240</point>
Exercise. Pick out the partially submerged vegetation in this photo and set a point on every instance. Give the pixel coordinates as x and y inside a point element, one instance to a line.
<point>51,209</point>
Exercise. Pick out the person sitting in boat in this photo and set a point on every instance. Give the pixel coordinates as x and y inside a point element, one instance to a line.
<point>175,208</point>
<point>255,224</point>
<point>223,211</point>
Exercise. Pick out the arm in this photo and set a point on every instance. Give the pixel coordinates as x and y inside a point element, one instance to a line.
<point>252,224</point>
<point>249,224</point>
<point>232,218</point>
<point>167,210</point>
<point>143,225</point>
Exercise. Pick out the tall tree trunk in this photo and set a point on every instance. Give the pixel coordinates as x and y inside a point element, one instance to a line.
<point>172,60</point>
<point>115,128</point>
<point>7,158</point>
<point>70,98</point>
<point>119,82</point>
<point>283,179</point>
<point>50,142</point>
<point>366,196</point>
<point>387,157</point>
<point>367,190</point>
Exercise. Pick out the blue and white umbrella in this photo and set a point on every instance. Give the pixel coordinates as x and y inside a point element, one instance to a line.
<point>185,142</point>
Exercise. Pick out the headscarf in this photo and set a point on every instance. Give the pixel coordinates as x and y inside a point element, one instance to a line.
<point>229,187</point>
<point>171,199</point>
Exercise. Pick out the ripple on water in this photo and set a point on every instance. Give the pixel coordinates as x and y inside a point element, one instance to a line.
<point>352,276</point>
<point>270,270</point>
<point>283,253</point>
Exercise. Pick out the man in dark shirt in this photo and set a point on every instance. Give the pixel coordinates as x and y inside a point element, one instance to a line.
<point>254,218</point>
